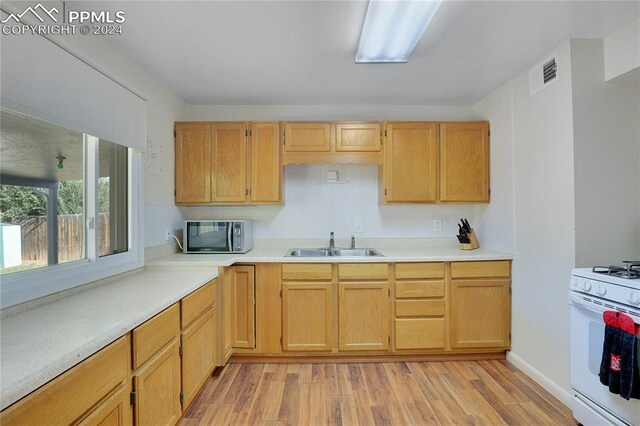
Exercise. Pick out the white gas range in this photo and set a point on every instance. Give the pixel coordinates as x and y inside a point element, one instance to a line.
<point>593,291</point>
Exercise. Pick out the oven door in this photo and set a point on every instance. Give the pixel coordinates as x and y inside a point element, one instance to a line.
<point>586,342</point>
<point>207,237</point>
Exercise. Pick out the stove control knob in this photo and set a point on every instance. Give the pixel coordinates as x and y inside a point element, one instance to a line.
<point>634,297</point>
<point>586,285</point>
<point>602,289</point>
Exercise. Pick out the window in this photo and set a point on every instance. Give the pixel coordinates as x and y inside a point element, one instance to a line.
<point>66,202</point>
<point>42,194</point>
<point>113,212</point>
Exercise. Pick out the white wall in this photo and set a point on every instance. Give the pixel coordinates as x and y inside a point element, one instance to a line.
<point>622,50</point>
<point>544,223</point>
<point>495,221</point>
<point>330,112</point>
<point>163,108</point>
<point>313,211</point>
<point>532,196</point>
<point>606,149</point>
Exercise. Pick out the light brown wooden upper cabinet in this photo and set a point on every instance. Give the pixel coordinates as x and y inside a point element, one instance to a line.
<point>229,163</point>
<point>464,162</point>
<point>358,137</point>
<point>307,137</point>
<point>265,165</point>
<point>193,163</point>
<point>410,162</point>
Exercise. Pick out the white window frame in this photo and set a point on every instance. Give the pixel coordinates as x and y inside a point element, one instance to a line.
<point>24,286</point>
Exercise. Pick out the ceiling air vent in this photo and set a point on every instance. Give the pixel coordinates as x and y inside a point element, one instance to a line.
<point>543,74</point>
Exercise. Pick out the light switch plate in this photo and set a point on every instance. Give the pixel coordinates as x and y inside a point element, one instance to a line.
<point>437,225</point>
<point>357,226</point>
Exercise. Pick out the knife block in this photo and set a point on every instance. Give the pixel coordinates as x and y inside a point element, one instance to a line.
<point>473,242</point>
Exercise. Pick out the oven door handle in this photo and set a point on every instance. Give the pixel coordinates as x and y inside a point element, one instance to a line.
<point>579,303</point>
<point>600,309</point>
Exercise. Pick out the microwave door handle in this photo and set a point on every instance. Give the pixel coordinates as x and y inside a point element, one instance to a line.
<point>229,235</point>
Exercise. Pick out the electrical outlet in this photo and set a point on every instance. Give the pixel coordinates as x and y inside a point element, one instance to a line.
<point>437,225</point>
<point>357,226</point>
<point>167,234</point>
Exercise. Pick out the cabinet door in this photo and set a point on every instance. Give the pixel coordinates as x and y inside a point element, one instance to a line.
<point>193,163</point>
<point>307,317</point>
<point>199,355</point>
<point>265,165</point>
<point>115,411</point>
<point>363,316</point>
<point>227,287</point>
<point>243,307</point>
<point>229,163</point>
<point>464,162</point>
<point>307,137</point>
<point>157,387</point>
<point>480,313</point>
<point>358,137</point>
<point>410,162</point>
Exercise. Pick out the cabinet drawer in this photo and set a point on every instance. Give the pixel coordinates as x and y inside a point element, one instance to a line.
<point>419,333</point>
<point>151,336</point>
<point>418,289</point>
<point>419,270</point>
<point>306,271</point>
<point>500,268</point>
<point>197,302</point>
<point>67,397</point>
<point>363,271</point>
<point>419,308</point>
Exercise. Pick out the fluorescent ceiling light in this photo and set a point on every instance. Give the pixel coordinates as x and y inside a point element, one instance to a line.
<point>392,29</point>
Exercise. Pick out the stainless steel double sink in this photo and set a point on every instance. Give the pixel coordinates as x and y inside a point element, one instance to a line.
<point>367,252</point>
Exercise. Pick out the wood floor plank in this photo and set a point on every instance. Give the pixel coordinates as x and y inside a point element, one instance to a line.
<point>363,394</point>
<point>290,404</point>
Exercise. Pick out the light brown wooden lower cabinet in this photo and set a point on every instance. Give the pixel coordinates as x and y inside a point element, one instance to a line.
<point>157,388</point>
<point>480,313</point>
<point>307,316</point>
<point>199,354</point>
<point>243,333</point>
<point>227,289</point>
<point>68,397</point>
<point>363,310</point>
<point>114,411</point>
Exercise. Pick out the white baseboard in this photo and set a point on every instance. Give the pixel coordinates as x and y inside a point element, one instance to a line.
<point>552,387</point>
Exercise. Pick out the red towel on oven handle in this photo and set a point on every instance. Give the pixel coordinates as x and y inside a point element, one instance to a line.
<point>619,369</point>
<point>622,321</point>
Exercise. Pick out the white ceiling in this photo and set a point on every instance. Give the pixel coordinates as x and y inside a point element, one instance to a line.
<point>288,52</point>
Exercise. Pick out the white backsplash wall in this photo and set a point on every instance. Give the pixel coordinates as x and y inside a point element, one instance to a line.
<point>156,219</point>
<point>313,210</point>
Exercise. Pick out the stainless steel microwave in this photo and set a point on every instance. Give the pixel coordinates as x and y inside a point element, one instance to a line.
<point>217,236</point>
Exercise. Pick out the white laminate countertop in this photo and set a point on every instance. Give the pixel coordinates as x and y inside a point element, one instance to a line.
<point>40,343</point>
<point>276,254</point>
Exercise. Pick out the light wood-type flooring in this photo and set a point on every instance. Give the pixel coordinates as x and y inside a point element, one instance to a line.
<point>412,393</point>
